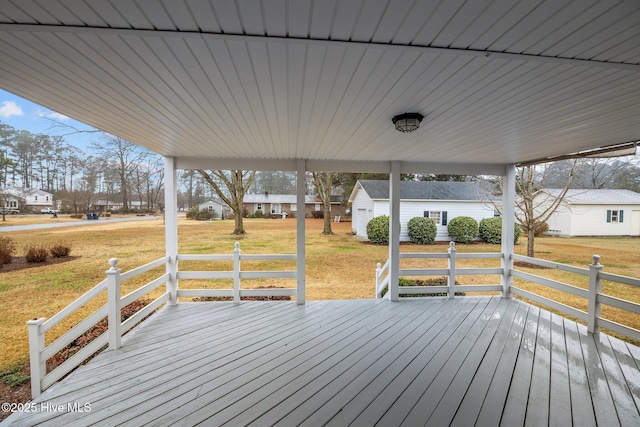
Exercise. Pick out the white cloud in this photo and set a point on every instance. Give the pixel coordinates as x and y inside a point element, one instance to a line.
<point>9,109</point>
<point>48,114</point>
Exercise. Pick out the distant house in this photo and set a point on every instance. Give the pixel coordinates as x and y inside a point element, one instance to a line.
<point>273,205</point>
<point>27,199</point>
<point>216,206</point>
<point>440,201</point>
<point>592,212</point>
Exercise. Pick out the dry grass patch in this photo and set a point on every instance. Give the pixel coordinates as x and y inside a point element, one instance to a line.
<point>337,266</point>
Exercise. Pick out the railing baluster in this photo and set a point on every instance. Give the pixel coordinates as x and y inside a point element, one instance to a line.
<point>378,268</point>
<point>236,272</point>
<point>595,287</point>
<point>113,305</point>
<point>452,269</point>
<point>36,346</point>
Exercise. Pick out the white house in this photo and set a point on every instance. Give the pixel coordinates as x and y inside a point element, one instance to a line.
<point>275,204</point>
<point>593,212</point>
<point>29,199</point>
<point>440,201</point>
<point>213,206</point>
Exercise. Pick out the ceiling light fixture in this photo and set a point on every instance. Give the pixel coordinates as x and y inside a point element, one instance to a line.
<point>407,122</point>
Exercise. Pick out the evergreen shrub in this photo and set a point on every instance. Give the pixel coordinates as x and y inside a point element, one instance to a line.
<point>378,230</point>
<point>490,230</point>
<point>463,229</point>
<point>422,230</point>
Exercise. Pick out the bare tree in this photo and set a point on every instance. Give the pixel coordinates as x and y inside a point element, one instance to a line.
<point>323,182</point>
<point>531,212</point>
<point>124,157</point>
<point>236,183</point>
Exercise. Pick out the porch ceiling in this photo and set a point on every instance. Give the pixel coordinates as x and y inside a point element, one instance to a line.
<point>499,81</point>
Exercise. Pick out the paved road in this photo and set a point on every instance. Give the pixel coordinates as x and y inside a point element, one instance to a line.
<point>72,223</point>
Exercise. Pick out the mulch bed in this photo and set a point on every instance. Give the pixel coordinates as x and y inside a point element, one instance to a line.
<point>20,263</point>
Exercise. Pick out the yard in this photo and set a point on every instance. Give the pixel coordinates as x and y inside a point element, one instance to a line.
<point>338,266</point>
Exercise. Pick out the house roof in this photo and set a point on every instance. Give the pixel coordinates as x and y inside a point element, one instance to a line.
<point>597,196</point>
<point>278,198</point>
<point>205,81</point>
<point>423,190</point>
<point>24,192</point>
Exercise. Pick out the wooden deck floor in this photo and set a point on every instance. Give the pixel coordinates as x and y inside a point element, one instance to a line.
<point>431,361</point>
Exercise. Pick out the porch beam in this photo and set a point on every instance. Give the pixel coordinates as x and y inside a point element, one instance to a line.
<point>394,230</point>
<point>171,227</point>
<point>508,224</point>
<point>301,185</point>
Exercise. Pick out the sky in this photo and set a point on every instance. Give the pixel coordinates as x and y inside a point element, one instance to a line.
<point>25,115</point>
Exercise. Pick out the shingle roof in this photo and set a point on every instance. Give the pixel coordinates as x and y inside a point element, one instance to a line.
<point>426,190</point>
<point>597,196</point>
<point>278,198</point>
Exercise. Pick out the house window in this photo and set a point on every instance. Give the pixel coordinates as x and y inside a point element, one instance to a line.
<point>35,197</point>
<point>440,218</point>
<point>317,207</point>
<point>258,207</point>
<point>276,208</point>
<point>615,216</point>
<point>294,207</point>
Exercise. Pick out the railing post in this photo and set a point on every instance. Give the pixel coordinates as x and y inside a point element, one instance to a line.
<point>236,272</point>
<point>378,270</point>
<point>452,269</point>
<point>113,305</point>
<point>595,287</point>
<point>37,365</point>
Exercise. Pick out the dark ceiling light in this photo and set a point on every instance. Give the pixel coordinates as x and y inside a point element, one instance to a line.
<point>407,122</point>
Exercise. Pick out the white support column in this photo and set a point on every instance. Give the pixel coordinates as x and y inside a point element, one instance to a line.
<point>171,227</point>
<point>301,184</point>
<point>394,231</point>
<point>508,225</point>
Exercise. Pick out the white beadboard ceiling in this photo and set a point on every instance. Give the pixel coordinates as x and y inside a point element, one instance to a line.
<point>499,82</point>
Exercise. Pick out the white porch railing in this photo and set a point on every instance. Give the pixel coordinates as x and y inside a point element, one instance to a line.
<point>594,295</point>
<point>237,274</point>
<point>382,274</point>
<point>39,353</point>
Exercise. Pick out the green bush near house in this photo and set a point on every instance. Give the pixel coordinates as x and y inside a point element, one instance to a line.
<point>422,230</point>
<point>490,230</point>
<point>463,229</point>
<point>378,230</point>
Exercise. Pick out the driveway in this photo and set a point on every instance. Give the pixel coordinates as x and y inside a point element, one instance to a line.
<point>9,228</point>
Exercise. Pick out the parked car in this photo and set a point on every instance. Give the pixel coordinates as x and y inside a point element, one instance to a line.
<point>49,211</point>
<point>92,215</point>
<point>9,211</point>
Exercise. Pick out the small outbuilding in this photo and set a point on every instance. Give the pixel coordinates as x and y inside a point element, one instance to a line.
<point>213,205</point>
<point>438,200</point>
<point>592,212</point>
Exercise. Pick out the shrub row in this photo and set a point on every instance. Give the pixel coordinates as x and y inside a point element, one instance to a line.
<point>462,229</point>
<point>33,252</point>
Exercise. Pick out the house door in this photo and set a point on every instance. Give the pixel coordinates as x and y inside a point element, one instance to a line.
<point>361,226</point>
<point>635,223</point>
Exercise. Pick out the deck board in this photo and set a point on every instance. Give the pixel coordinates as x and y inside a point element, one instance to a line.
<point>421,361</point>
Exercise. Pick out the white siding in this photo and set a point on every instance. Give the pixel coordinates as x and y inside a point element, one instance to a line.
<point>590,220</point>
<point>361,201</point>
<point>413,208</point>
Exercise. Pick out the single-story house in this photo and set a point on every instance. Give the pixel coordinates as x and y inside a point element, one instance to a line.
<point>273,205</point>
<point>27,199</point>
<point>213,205</point>
<point>589,212</point>
<point>440,201</point>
